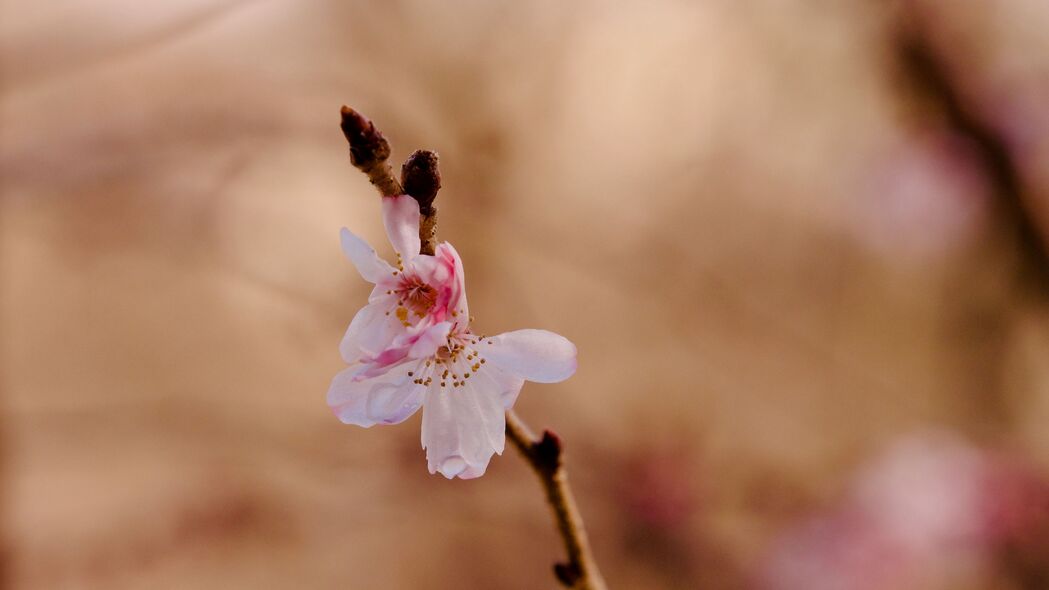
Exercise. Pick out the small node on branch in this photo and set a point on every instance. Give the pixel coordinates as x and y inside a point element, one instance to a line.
<point>421,178</point>
<point>548,451</point>
<point>567,573</point>
<point>369,151</point>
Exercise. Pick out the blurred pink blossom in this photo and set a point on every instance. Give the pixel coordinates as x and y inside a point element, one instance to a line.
<point>924,199</point>
<point>928,512</point>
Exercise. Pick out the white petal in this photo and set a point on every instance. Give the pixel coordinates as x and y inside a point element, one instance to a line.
<point>400,216</point>
<point>372,268</point>
<point>492,378</point>
<point>374,332</point>
<point>386,399</point>
<point>462,428</point>
<point>430,340</point>
<point>536,355</point>
<point>369,332</point>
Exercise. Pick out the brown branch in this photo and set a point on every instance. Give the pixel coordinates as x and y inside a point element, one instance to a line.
<point>421,179</point>
<point>580,572</point>
<point>932,79</point>
<point>980,318</point>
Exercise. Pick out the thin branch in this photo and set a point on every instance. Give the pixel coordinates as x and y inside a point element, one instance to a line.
<point>932,78</point>
<point>981,317</point>
<point>544,456</point>
<point>421,179</point>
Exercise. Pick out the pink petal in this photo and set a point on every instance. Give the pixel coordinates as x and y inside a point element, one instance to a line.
<point>400,215</point>
<point>536,355</point>
<point>462,429</point>
<point>389,398</point>
<point>415,342</point>
<point>457,299</point>
<point>372,268</point>
<point>371,331</point>
<point>429,340</point>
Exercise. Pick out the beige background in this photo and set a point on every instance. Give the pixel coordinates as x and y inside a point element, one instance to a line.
<point>739,211</point>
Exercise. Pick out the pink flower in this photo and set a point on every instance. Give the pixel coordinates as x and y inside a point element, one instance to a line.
<point>412,347</point>
<point>930,511</point>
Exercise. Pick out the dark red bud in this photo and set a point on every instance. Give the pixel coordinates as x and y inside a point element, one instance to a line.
<point>421,179</point>
<point>367,144</point>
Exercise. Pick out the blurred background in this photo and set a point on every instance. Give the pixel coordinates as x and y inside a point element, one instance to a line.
<point>800,246</point>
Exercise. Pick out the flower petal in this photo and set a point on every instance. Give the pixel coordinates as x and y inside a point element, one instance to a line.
<point>414,342</point>
<point>400,215</point>
<point>457,295</point>
<point>462,428</point>
<point>371,332</point>
<point>389,398</point>
<point>506,386</point>
<point>429,340</point>
<point>372,268</point>
<point>536,355</point>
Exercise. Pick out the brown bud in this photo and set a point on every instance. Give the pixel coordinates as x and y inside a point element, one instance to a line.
<point>421,178</point>
<point>367,145</point>
<point>567,573</point>
<point>548,451</point>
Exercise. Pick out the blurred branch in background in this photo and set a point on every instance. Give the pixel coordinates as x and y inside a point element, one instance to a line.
<point>1012,261</point>
<point>931,79</point>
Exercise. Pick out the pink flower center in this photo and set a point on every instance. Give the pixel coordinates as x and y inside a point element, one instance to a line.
<point>416,295</point>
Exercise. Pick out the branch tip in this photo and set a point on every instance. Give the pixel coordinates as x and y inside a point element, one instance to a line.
<point>369,151</point>
<point>367,144</point>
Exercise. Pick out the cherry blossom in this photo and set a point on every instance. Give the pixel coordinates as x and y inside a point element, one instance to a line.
<point>928,512</point>
<point>411,346</point>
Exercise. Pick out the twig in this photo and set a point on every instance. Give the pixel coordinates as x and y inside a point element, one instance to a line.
<point>932,79</point>
<point>421,179</point>
<point>544,456</point>
<point>981,314</point>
